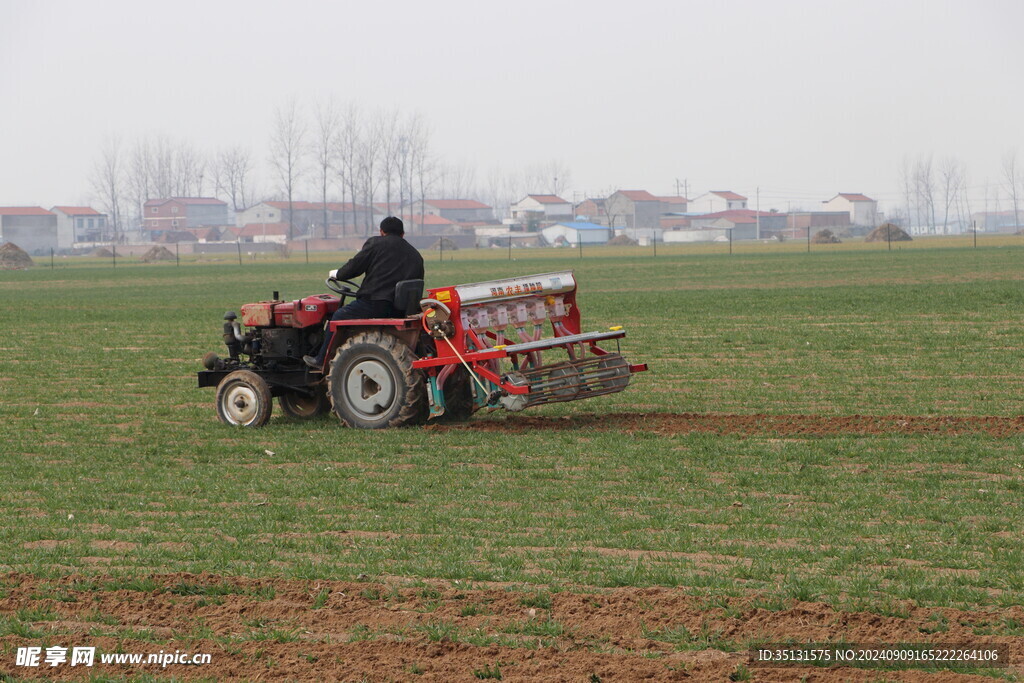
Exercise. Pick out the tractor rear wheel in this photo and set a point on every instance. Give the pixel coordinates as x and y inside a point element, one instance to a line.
<point>243,399</point>
<point>304,406</point>
<point>372,383</point>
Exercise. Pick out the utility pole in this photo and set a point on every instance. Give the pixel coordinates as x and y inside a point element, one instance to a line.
<point>757,211</point>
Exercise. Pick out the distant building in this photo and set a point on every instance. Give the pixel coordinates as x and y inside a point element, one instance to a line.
<point>592,210</point>
<point>863,210</point>
<point>178,213</point>
<point>717,200</point>
<point>32,228</point>
<point>817,220</point>
<point>745,223</point>
<point>535,208</point>
<point>634,209</point>
<point>264,232</point>
<point>457,210</point>
<point>572,233</point>
<point>79,224</point>
<point>997,221</point>
<point>343,218</point>
<point>674,204</point>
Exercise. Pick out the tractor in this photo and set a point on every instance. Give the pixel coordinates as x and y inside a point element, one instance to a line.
<point>457,350</point>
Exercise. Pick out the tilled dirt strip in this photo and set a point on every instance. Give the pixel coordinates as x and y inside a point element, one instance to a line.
<point>263,629</point>
<point>752,425</point>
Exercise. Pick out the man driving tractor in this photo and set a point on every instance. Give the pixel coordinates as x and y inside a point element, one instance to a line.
<point>385,260</point>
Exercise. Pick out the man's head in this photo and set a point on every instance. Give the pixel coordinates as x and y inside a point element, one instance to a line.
<point>392,225</point>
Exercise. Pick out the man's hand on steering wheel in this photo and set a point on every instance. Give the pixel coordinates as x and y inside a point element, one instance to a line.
<point>332,283</point>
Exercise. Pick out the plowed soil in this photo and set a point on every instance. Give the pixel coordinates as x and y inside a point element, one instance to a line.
<point>750,425</point>
<point>258,629</point>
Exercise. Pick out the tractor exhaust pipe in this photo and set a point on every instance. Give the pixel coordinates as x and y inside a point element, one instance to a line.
<point>233,337</point>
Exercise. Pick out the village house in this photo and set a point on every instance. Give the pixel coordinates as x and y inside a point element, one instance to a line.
<point>307,218</point>
<point>863,210</point>
<point>457,210</point>
<point>716,201</point>
<point>79,224</point>
<point>32,228</point>
<point>177,213</point>
<point>536,208</point>
<point>634,209</point>
<point>573,233</point>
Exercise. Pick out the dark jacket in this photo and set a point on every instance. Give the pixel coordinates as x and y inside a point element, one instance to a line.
<point>386,261</point>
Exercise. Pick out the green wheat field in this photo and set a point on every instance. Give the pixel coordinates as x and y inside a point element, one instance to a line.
<point>113,462</point>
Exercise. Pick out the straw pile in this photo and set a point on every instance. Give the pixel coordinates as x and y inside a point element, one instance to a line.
<point>13,257</point>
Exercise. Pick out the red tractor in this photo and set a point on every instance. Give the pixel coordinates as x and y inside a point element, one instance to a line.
<point>460,349</point>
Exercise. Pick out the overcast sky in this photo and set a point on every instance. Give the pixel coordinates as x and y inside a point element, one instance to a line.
<point>802,99</point>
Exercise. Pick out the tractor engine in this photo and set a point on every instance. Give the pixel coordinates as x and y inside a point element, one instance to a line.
<point>280,332</point>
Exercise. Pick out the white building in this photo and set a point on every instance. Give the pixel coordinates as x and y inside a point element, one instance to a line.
<point>572,233</point>
<point>542,207</point>
<point>78,224</point>
<point>715,201</point>
<point>863,210</point>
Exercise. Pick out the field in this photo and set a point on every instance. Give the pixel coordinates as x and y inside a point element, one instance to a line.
<point>828,447</point>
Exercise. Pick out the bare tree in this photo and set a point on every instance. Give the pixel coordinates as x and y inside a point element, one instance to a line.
<point>368,156</point>
<point>907,185</point>
<point>924,189</point>
<point>288,153</point>
<point>417,136</point>
<point>139,178</point>
<point>391,140</point>
<point>550,177</point>
<point>425,168</point>
<point>231,168</point>
<point>457,181</point>
<point>189,169</point>
<point>325,148</point>
<point>951,177</point>
<point>1012,179</point>
<point>108,183</point>
<point>347,153</point>
<point>500,191</point>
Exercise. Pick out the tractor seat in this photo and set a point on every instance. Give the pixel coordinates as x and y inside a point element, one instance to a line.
<point>407,297</point>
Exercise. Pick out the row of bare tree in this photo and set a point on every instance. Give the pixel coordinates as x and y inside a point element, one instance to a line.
<point>936,194</point>
<point>335,153</point>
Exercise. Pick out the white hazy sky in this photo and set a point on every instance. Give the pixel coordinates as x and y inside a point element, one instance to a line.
<point>802,99</point>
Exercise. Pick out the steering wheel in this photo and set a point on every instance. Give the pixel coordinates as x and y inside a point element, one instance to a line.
<point>333,285</point>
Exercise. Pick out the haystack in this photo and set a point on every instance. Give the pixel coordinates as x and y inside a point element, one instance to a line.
<point>158,253</point>
<point>102,252</point>
<point>445,243</point>
<point>825,237</point>
<point>622,240</point>
<point>13,257</point>
<point>887,232</point>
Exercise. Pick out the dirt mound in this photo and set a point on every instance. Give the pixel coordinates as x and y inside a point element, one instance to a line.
<point>825,237</point>
<point>753,425</point>
<point>444,631</point>
<point>158,254</point>
<point>887,232</point>
<point>102,252</point>
<point>13,257</point>
<point>622,241</point>
<point>443,243</point>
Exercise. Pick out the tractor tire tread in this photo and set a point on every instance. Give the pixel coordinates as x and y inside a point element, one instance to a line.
<point>414,405</point>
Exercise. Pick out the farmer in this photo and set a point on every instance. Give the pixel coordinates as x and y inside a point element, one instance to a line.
<point>386,261</point>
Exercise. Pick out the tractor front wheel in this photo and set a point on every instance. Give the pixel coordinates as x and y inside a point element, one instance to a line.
<point>243,399</point>
<point>372,383</point>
